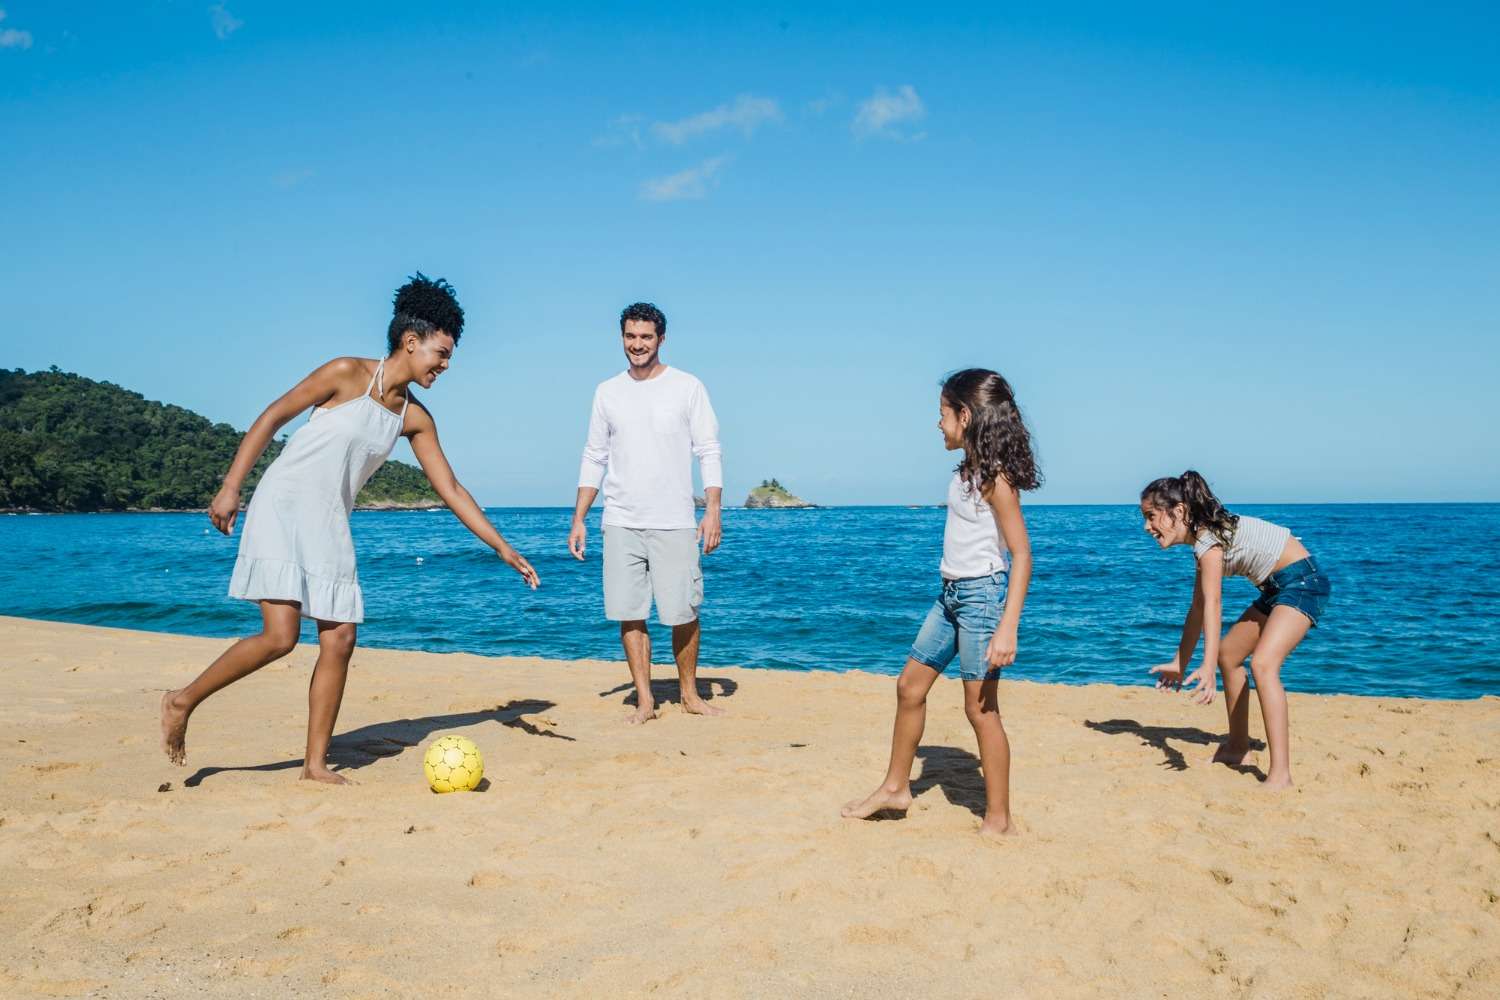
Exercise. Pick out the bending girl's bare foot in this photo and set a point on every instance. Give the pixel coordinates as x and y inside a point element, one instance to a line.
<point>173,730</point>
<point>880,800</point>
<point>1276,783</point>
<point>1232,755</point>
<point>643,714</point>
<point>997,829</point>
<point>697,706</point>
<point>324,775</point>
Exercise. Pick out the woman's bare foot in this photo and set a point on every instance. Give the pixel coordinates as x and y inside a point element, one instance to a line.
<point>880,800</point>
<point>324,775</point>
<point>1277,782</point>
<point>697,706</point>
<point>997,829</point>
<point>1229,753</point>
<point>645,713</point>
<point>173,730</point>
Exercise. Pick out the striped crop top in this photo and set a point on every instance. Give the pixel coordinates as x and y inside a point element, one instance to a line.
<point>1253,551</point>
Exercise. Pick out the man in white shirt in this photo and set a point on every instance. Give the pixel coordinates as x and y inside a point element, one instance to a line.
<point>647,424</point>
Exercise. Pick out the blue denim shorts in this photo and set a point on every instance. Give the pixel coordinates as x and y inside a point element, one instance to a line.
<point>1301,586</point>
<point>961,623</point>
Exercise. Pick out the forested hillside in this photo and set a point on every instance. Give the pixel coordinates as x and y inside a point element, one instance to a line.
<point>69,443</point>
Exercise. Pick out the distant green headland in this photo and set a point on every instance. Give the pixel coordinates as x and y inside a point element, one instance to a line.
<point>69,443</point>
<point>771,493</point>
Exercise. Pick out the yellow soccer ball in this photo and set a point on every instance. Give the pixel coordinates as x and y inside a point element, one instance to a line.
<point>453,764</point>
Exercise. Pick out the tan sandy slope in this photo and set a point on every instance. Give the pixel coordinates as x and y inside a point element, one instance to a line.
<point>698,857</point>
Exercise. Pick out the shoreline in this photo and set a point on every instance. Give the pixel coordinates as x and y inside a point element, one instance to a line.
<point>604,857</point>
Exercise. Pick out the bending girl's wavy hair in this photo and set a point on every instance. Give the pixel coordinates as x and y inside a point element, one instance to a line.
<point>1203,509</point>
<point>997,444</point>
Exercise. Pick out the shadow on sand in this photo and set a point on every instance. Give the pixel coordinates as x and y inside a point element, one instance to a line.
<point>363,746</point>
<point>1157,736</point>
<point>666,693</point>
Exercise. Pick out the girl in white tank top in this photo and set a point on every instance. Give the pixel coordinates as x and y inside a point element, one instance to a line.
<point>984,574</point>
<point>296,555</point>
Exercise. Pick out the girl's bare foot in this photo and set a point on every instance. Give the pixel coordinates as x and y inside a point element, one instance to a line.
<point>173,730</point>
<point>880,800</point>
<point>324,775</point>
<point>1277,782</point>
<point>1230,754</point>
<point>997,829</point>
<point>643,714</point>
<point>697,706</point>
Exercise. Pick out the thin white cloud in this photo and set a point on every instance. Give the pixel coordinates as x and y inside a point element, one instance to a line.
<point>225,23</point>
<point>623,131</point>
<point>287,179</point>
<point>14,38</point>
<point>887,114</point>
<point>747,114</point>
<point>685,185</point>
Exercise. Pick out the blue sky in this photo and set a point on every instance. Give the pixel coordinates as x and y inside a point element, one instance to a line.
<point>1263,242</point>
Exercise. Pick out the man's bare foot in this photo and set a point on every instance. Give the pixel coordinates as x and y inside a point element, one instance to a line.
<point>173,730</point>
<point>324,775</point>
<point>997,829</point>
<point>880,800</point>
<point>1277,783</point>
<point>697,706</point>
<point>1232,755</point>
<point>645,713</point>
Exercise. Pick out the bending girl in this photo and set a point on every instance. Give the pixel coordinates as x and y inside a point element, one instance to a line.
<point>296,554</point>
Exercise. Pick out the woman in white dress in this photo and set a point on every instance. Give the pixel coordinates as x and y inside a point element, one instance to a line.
<point>296,554</point>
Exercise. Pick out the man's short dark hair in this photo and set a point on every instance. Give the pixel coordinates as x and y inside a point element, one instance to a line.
<point>424,307</point>
<point>647,312</point>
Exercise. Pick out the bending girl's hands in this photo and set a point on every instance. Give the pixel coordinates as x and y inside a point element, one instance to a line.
<point>1168,676</point>
<point>518,562</point>
<point>1203,679</point>
<point>224,509</point>
<point>1002,648</point>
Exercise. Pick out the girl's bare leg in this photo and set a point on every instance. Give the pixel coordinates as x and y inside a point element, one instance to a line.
<point>982,706</point>
<point>1234,650</point>
<point>1284,629</point>
<point>280,624</point>
<point>325,693</point>
<point>911,718</point>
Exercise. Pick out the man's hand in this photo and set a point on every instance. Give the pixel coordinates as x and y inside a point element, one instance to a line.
<point>224,509</point>
<point>578,539</point>
<point>709,531</point>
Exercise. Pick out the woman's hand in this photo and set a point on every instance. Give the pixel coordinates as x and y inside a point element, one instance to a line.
<point>224,509</point>
<point>518,562</point>
<point>1002,647</point>
<point>1168,675</point>
<point>1203,679</point>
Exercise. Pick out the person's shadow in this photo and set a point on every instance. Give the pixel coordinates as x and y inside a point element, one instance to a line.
<point>666,692</point>
<point>954,771</point>
<point>364,746</point>
<point>1157,736</point>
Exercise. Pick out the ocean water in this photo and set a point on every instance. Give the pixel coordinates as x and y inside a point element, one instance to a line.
<point>1414,608</point>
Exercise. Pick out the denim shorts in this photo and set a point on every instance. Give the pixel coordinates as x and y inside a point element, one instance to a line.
<point>961,623</point>
<point>1301,586</point>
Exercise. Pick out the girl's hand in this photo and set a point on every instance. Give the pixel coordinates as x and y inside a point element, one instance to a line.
<point>224,509</point>
<point>1168,676</point>
<point>1203,678</point>
<point>518,562</point>
<point>1002,648</point>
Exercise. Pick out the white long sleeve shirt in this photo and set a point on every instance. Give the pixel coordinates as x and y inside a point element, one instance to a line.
<point>642,439</point>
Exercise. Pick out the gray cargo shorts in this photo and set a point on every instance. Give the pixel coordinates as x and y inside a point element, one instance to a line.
<point>642,562</point>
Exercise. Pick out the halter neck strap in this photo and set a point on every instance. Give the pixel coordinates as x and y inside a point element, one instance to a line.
<point>378,380</point>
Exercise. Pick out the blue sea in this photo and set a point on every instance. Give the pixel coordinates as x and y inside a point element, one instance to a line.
<point>1414,609</point>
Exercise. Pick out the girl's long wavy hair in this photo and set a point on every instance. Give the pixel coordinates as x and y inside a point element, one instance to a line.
<point>997,444</point>
<point>1203,509</point>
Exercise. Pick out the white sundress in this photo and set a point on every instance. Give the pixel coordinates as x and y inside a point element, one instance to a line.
<point>296,545</point>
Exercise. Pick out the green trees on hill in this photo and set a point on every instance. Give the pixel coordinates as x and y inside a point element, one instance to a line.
<point>68,443</point>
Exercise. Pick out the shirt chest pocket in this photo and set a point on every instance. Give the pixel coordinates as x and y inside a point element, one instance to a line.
<point>669,420</point>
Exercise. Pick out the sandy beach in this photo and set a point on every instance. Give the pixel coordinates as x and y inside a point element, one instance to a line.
<point>706,857</point>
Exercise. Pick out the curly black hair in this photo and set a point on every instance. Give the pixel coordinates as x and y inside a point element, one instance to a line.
<point>645,311</point>
<point>1203,510</point>
<point>997,445</point>
<point>425,307</point>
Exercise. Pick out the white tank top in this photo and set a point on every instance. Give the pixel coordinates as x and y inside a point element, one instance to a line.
<point>971,540</point>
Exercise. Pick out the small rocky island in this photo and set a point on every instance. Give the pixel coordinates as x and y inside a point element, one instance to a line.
<point>770,493</point>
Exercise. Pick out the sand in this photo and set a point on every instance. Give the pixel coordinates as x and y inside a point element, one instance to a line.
<point>706,857</point>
